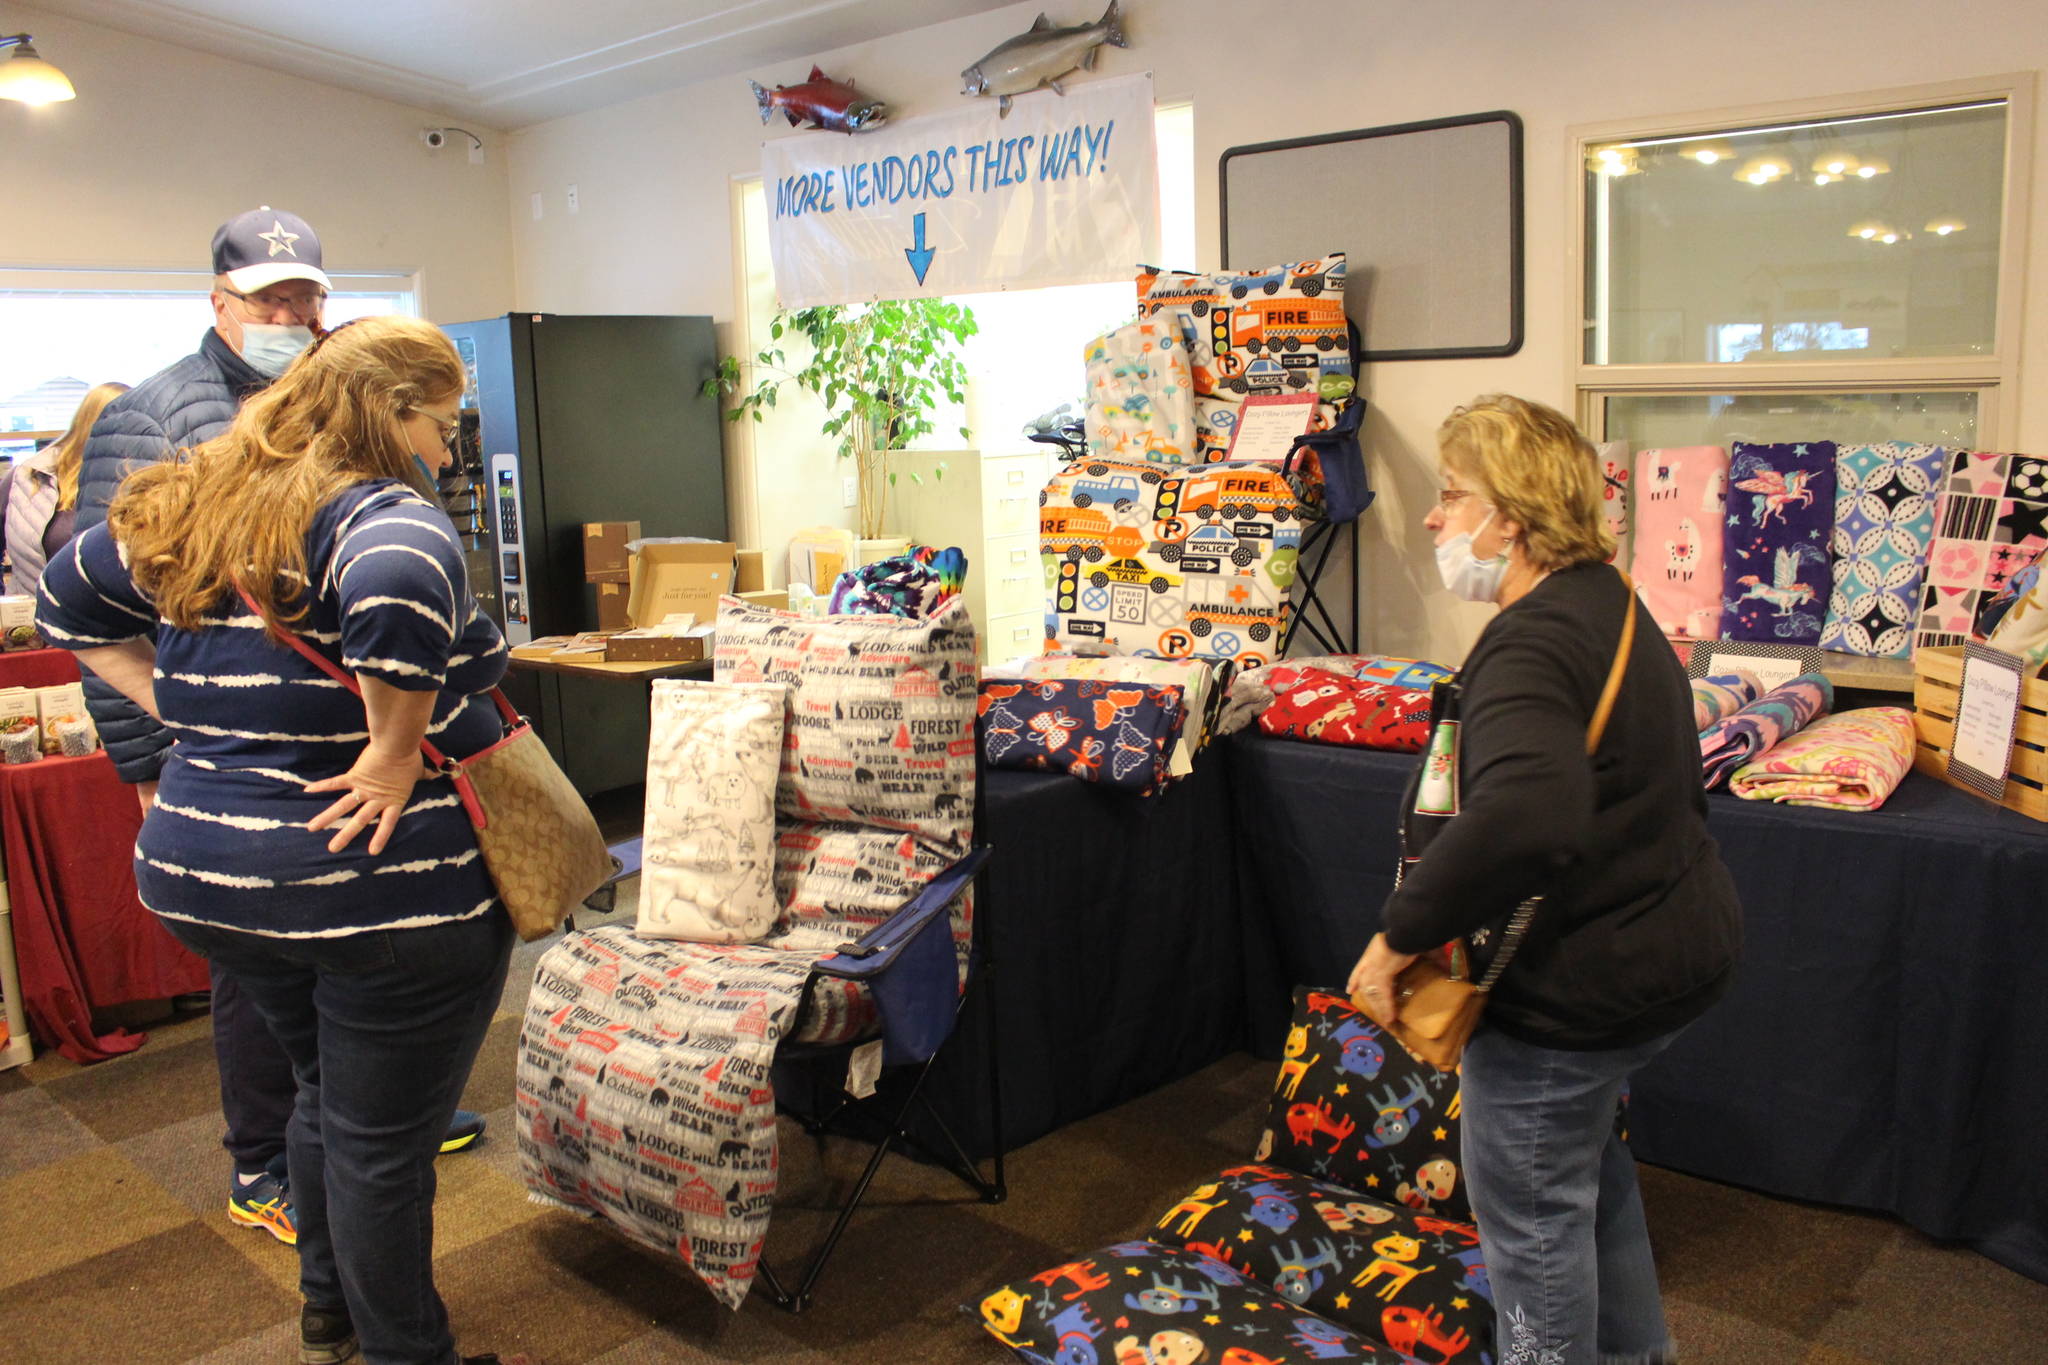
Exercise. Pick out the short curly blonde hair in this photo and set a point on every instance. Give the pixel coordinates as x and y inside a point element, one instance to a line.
<point>1529,461</point>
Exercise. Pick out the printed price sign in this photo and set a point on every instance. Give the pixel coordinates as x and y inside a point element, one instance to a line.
<point>1987,712</point>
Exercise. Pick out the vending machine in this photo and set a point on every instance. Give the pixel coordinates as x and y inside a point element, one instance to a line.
<point>580,419</point>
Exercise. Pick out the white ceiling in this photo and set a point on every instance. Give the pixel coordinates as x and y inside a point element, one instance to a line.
<point>508,63</point>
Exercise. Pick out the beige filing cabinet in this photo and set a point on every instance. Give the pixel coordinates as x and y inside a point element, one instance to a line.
<point>988,506</point>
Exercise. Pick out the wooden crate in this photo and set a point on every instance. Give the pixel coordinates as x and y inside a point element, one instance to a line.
<point>1937,685</point>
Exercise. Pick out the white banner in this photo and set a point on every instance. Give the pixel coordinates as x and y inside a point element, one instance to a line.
<point>1063,191</point>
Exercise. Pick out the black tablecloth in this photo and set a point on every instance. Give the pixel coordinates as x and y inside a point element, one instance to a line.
<point>1118,949</point>
<point>1882,1045</point>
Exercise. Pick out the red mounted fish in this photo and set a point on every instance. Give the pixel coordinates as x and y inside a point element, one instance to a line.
<point>834,106</point>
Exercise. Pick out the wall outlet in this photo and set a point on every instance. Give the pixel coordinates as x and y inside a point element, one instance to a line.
<point>536,206</point>
<point>573,206</point>
<point>849,491</point>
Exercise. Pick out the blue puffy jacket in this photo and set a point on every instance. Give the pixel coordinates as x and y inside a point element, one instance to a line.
<point>190,402</point>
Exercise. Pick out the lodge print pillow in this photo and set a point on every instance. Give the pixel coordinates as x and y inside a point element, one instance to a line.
<point>1776,549</point>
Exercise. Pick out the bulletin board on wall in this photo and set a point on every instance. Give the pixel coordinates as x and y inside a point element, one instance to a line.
<point>1429,216</point>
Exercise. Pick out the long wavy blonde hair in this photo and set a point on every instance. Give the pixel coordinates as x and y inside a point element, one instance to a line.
<point>235,510</point>
<point>70,447</point>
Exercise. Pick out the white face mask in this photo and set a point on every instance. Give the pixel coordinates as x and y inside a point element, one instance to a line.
<point>270,348</point>
<point>1474,579</point>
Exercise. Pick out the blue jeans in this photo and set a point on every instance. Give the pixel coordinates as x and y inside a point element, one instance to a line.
<point>382,1028</point>
<point>1560,1218</point>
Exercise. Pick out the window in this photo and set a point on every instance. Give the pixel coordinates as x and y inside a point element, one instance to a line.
<point>62,331</point>
<point>1836,269</point>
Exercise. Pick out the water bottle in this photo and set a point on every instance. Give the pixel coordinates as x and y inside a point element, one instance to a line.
<point>802,600</point>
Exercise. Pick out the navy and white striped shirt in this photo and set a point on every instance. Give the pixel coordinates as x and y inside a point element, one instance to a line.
<point>227,842</point>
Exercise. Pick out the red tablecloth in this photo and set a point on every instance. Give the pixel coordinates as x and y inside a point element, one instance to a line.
<point>38,668</point>
<point>67,831</point>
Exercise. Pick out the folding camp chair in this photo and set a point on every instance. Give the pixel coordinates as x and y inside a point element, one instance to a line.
<point>908,965</point>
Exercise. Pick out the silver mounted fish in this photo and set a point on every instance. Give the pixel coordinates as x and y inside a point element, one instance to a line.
<point>1041,55</point>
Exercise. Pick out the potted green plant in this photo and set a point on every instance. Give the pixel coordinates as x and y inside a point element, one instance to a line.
<point>879,368</point>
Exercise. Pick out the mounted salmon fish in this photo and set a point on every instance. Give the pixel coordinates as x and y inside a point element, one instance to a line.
<point>1042,55</point>
<point>834,106</point>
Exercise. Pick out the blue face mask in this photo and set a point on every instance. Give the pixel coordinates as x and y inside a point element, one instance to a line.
<point>270,348</point>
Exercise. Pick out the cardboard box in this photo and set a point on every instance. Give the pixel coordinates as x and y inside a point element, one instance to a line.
<point>18,622</point>
<point>648,647</point>
<point>604,550</point>
<point>750,573</point>
<point>688,576</point>
<point>611,606</point>
<point>776,599</point>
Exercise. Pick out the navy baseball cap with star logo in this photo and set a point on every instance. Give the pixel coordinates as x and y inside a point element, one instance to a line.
<point>263,246</point>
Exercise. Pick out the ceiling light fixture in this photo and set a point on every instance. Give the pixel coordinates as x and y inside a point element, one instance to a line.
<point>1942,227</point>
<point>1869,229</point>
<point>1872,167</point>
<point>26,77</point>
<point>1836,163</point>
<point>1761,170</point>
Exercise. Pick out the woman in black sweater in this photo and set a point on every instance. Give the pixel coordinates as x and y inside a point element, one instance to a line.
<point>1639,929</point>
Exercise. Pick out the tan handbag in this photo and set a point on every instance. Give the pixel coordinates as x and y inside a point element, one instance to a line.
<point>1436,1012</point>
<point>539,840</point>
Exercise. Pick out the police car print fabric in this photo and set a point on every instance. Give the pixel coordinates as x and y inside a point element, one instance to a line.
<point>1173,563</point>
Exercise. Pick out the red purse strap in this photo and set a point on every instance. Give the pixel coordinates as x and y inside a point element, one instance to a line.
<point>439,760</point>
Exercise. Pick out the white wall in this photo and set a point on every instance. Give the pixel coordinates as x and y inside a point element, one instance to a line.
<point>654,175</point>
<point>163,144</point>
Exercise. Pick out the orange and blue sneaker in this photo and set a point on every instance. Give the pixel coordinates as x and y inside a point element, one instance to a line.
<point>263,1203</point>
<point>466,1127</point>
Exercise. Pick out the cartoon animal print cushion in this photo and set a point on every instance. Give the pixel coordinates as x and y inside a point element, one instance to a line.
<point>1139,1303</point>
<point>1777,558</point>
<point>713,751</point>
<point>1141,401</point>
<point>1412,1280</point>
<point>1118,734</point>
<point>1330,708</point>
<point>1355,1108</point>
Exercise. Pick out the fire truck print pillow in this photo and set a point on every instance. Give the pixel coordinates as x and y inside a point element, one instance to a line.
<point>1354,1108</point>
<point>1279,329</point>
<point>1117,734</point>
<point>1331,708</point>
<point>1140,1303</point>
<point>1681,501</point>
<point>1173,563</point>
<point>1992,522</point>
<point>713,750</point>
<point>1776,557</point>
<point>1412,1280</point>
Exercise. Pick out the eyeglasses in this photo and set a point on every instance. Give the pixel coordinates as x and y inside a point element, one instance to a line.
<point>451,427</point>
<point>1447,498</point>
<point>300,305</point>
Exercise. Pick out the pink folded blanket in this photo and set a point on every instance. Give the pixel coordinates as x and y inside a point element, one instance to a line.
<point>1852,760</point>
<point>1681,503</point>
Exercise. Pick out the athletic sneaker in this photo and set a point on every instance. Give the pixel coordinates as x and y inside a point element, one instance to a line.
<point>325,1338</point>
<point>466,1127</point>
<point>263,1203</point>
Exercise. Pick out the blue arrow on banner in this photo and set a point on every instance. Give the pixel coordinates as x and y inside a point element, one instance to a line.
<point>920,255</point>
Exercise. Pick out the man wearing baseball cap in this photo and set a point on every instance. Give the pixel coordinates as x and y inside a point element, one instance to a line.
<point>269,292</point>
